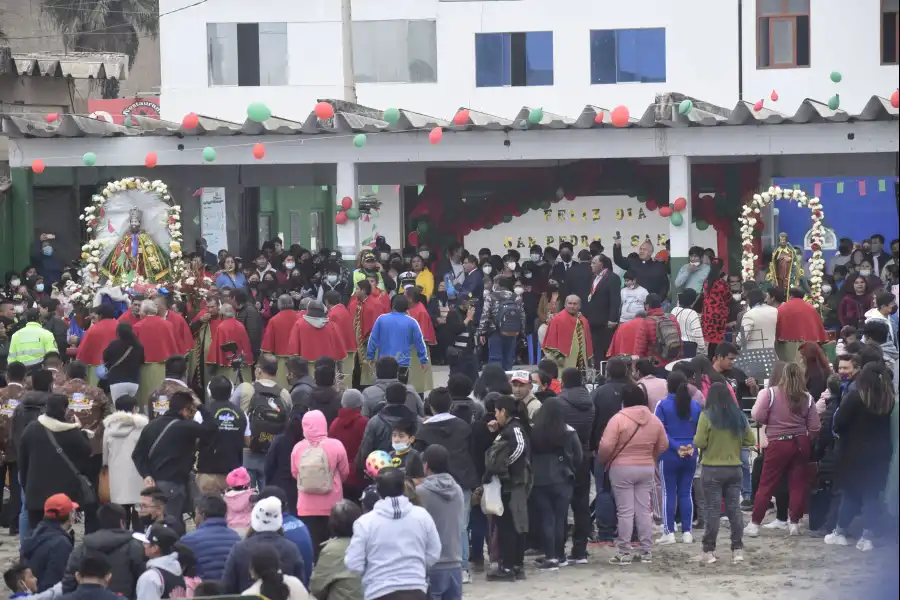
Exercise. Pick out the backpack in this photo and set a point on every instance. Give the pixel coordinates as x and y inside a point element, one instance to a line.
<point>313,471</point>
<point>668,338</point>
<point>509,316</point>
<point>267,415</point>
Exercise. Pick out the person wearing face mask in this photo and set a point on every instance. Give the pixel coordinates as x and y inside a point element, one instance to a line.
<point>44,261</point>
<point>561,269</point>
<point>885,308</point>
<point>633,297</point>
<point>842,256</point>
<point>894,260</point>
<point>332,281</point>
<point>693,274</point>
<point>13,280</point>
<point>866,270</point>
<point>650,274</point>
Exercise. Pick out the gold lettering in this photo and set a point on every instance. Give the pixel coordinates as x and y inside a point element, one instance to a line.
<point>561,214</point>
<point>629,213</point>
<point>661,240</point>
<point>563,238</point>
<point>547,214</point>
<point>520,243</point>
<point>595,214</point>
<point>635,241</point>
<point>531,241</point>
<point>572,216</point>
<point>507,243</point>
<point>620,214</point>
<point>641,214</point>
<point>549,240</point>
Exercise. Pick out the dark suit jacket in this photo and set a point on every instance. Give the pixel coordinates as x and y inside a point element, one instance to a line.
<point>578,281</point>
<point>605,304</point>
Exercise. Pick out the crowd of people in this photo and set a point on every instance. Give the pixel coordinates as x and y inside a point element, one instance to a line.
<point>287,407</point>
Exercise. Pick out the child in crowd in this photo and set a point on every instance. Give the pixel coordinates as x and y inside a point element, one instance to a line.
<point>849,335</point>
<point>238,498</point>
<point>23,584</point>
<point>404,456</point>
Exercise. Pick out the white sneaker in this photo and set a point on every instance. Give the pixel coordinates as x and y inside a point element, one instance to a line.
<point>776,524</point>
<point>737,556</point>
<point>794,529</point>
<point>658,529</point>
<point>836,539</point>
<point>864,545</point>
<point>704,558</point>
<point>687,538</point>
<point>666,539</point>
<point>466,577</point>
<point>751,530</point>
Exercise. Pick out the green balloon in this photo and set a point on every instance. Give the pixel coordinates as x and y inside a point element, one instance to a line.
<point>353,214</point>
<point>209,154</point>
<point>535,115</point>
<point>488,226</point>
<point>836,76</point>
<point>523,124</point>
<point>359,140</point>
<point>89,159</point>
<point>422,227</point>
<point>546,204</point>
<point>258,112</point>
<point>507,219</point>
<point>392,115</point>
<point>834,102</point>
<point>676,219</point>
<point>702,225</point>
<point>642,198</point>
<point>685,107</point>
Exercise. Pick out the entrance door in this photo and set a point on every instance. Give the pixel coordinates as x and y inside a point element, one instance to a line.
<point>55,211</point>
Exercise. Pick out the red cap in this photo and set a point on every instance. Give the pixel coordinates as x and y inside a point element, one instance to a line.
<point>59,505</point>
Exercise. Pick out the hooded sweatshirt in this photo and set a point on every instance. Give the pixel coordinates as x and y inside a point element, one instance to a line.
<point>442,497</point>
<point>889,348</point>
<point>124,553</point>
<point>373,398</point>
<point>150,585</point>
<point>239,507</point>
<point>315,433</point>
<point>579,409</point>
<point>407,544</point>
<point>634,437</point>
<point>455,435</point>
<point>120,435</point>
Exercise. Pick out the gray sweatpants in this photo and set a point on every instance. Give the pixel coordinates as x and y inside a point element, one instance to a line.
<point>719,483</point>
<point>632,487</point>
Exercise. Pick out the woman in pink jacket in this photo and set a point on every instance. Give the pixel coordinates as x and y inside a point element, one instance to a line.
<point>631,444</point>
<point>319,464</point>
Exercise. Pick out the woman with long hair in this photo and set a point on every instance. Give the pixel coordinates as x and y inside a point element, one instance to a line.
<point>492,379</point>
<point>331,580</point>
<point>789,414</point>
<point>716,297</point>
<point>230,276</point>
<point>679,414</point>
<point>555,455</point>
<point>863,422</point>
<point>722,431</point>
<point>816,368</point>
<point>269,581</point>
<point>856,302</point>
<point>123,358</point>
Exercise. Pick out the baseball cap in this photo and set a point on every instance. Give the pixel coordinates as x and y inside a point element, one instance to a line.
<point>59,505</point>
<point>520,376</point>
<point>368,256</point>
<point>159,535</point>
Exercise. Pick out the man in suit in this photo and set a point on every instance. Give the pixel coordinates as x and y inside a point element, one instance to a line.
<point>561,269</point>
<point>604,305</point>
<point>579,278</point>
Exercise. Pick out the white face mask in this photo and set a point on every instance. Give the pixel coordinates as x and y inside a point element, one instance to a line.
<point>19,309</point>
<point>736,297</point>
<point>289,265</point>
<point>826,290</point>
<point>865,272</point>
<point>535,257</point>
<point>384,256</point>
<point>332,279</point>
<point>425,254</point>
<point>528,275</point>
<point>695,262</point>
<point>519,290</point>
<point>511,266</point>
<point>14,283</point>
<point>486,269</point>
<point>535,388</point>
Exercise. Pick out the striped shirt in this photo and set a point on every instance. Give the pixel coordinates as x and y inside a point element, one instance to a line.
<point>691,329</point>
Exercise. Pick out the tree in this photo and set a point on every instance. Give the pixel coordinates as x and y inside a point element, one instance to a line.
<point>104,26</point>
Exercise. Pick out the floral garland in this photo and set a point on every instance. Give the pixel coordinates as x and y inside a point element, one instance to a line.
<point>93,248</point>
<point>751,215</point>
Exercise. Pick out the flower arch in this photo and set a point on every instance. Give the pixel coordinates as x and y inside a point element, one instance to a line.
<point>751,217</point>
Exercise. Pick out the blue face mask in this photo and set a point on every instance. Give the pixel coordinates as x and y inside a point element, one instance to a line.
<point>400,447</point>
<point>47,250</point>
<point>39,287</point>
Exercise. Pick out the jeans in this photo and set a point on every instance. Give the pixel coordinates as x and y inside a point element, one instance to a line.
<point>502,350</point>
<point>478,528</point>
<point>255,465</point>
<point>632,487</point>
<point>746,478</point>
<point>24,525</point>
<point>122,389</point>
<point>783,456</point>
<point>719,482</point>
<point>13,507</point>
<point>445,584</point>
<point>581,509</point>
<point>464,531</point>
<point>864,503</point>
<point>677,477</point>
<point>604,506</point>
<point>552,503</point>
<point>177,498</point>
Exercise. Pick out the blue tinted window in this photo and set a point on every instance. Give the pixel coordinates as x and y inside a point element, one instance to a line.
<point>492,59</point>
<point>514,59</point>
<point>628,55</point>
<point>539,58</point>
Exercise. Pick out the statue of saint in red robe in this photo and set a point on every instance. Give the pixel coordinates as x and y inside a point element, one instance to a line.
<point>158,338</point>
<point>96,339</point>
<point>313,337</point>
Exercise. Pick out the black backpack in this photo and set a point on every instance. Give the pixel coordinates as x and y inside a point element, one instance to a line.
<point>509,315</point>
<point>267,415</point>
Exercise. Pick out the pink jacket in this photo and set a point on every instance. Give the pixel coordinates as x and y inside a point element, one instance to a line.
<point>656,389</point>
<point>643,449</point>
<point>239,507</point>
<point>778,418</point>
<point>315,431</point>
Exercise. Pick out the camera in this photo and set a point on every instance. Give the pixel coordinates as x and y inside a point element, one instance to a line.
<point>237,359</point>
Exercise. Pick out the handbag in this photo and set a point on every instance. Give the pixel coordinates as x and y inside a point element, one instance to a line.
<point>85,489</point>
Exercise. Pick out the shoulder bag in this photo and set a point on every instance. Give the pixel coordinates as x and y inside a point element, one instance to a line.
<point>85,489</point>
<point>606,483</point>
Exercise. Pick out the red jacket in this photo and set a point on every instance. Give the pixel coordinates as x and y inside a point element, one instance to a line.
<point>645,343</point>
<point>349,428</point>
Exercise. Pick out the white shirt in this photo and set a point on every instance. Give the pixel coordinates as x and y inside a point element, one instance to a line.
<point>296,591</point>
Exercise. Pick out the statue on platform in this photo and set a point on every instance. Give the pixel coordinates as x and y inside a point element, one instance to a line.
<point>136,255</point>
<point>785,270</point>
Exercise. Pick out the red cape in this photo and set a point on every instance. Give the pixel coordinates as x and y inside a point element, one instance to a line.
<point>383,298</point>
<point>128,317</point>
<point>343,322</point>
<point>372,308</point>
<point>183,338</point>
<point>228,330</point>
<point>422,317</point>
<point>213,323</point>
<point>157,336</point>
<point>799,321</point>
<point>624,338</point>
<point>560,331</point>
<point>96,339</point>
<point>311,343</point>
<point>277,335</point>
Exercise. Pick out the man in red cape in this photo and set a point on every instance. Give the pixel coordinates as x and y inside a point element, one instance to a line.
<point>568,339</point>
<point>277,335</point>
<point>314,336</point>
<point>341,318</point>
<point>383,297</point>
<point>625,336</point>
<point>798,321</point>
<point>155,334</point>
<point>184,341</point>
<point>229,329</point>
<point>133,314</point>
<point>365,309</point>
<point>98,336</point>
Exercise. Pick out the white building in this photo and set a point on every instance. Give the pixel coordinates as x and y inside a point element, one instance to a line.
<point>433,56</point>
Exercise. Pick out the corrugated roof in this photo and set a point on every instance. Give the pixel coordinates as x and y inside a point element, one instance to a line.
<point>77,65</point>
<point>353,118</point>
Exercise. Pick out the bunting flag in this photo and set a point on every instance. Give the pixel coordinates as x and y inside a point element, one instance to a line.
<point>882,185</point>
<point>862,187</point>
<point>374,189</point>
<point>796,186</point>
<point>840,187</point>
<point>817,190</point>
<point>109,226</point>
<point>197,192</point>
<point>421,187</point>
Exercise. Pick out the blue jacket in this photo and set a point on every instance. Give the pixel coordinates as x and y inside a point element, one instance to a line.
<point>395,334</point>
<point>46,553</point>
<point>224,280</point>
<point>90,592</point>
<point>295,530</point>
<point>679,431</point>
<point>236,577</point>
<point>211,543</point>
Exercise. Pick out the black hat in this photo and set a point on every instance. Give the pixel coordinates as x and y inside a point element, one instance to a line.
<point>159,535</point>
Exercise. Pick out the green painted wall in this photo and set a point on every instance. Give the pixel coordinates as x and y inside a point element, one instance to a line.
<point>293,211</point>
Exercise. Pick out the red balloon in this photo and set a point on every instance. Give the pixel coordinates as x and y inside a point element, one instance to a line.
<point>150,160</point>
<point>680,204</point>
<point>346,202</point>
<point>665,211</point>
<point>774,96</point>
<point>569,196</point>
<point>324,110</point>
<point>259,151</point>
<point>435,135</point>
<point>413,238</point>
<point>461,117</point>
<point>619,116</point>
<point>52,117</point>
<point>190,121</point>
<point>599,117</point>
<point>341,218</point>
<point>758,106</point>
<point>650,204</point>
<point>38,166</point>
<point>895,99</point>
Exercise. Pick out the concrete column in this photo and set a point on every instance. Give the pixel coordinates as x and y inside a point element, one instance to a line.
<point>679,237</point>
<point>347,185</point>
<point>22,196</point>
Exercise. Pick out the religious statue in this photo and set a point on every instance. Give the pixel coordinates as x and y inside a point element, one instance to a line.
<point>136,255</point>
<point>785,270</point>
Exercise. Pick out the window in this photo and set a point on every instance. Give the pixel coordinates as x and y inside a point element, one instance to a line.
<point>395,51</point>
<point>628,55</point>
<point>890,31</point>
<point>247,54</point>
<point>782,33</point>
<point>514,59</point>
